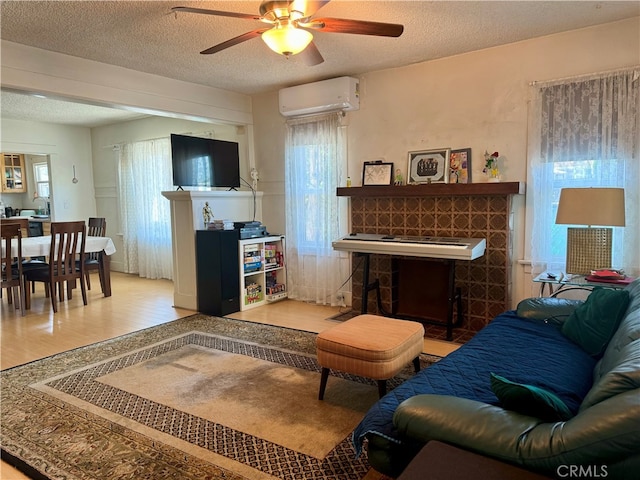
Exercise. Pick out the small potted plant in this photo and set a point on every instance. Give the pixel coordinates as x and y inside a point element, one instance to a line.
<point>491,166</point>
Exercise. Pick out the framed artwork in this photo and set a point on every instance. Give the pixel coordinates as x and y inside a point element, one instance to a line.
<point>429,166</point>
<point>460,166</point>
<point>377,173</point>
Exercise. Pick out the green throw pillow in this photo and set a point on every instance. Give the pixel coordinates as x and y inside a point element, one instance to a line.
<point>593,323</point>
<point>529,400</point>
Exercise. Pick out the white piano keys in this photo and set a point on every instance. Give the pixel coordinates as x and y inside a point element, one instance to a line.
<point>428,247</point>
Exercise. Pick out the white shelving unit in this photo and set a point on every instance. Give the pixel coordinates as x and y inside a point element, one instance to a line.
<point>263,274</point>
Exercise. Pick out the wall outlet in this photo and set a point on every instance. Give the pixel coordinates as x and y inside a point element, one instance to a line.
<point>340,299</point>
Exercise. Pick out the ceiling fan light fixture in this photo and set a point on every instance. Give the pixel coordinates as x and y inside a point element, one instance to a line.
<point>286,39</point>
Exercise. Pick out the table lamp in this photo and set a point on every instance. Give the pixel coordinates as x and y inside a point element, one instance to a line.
<point>589,248</point>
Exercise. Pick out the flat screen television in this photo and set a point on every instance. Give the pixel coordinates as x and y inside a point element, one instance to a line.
<point>204,162</point>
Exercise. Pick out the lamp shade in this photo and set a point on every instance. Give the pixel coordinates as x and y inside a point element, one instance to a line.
<point>591,206</point>
<point>287,39</point>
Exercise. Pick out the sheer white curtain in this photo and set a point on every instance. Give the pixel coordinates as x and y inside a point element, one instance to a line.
<point>584,132</point>
<point>315,164</point>
<point>144,172</point>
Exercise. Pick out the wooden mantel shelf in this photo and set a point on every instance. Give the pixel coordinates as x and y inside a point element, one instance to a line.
<point>434,189</point>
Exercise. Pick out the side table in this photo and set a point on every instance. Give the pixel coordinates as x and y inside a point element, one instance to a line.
<point>558,282</point>
<point>549,280</point>
<point>440,461</point>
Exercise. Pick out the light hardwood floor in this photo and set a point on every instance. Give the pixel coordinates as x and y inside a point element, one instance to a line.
<point>136,303</point>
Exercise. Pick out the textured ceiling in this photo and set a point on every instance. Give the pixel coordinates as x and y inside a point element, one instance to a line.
<point>19,106</point>
<point>146,36</point>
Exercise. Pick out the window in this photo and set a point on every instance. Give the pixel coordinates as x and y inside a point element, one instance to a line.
<point>584,133</point>
<point>144,172</point>
<point>315,164</point>
<point>314,172</point>
<point>41,178</point>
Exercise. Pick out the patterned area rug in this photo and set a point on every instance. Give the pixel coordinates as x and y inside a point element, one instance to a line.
<point>144,406</point>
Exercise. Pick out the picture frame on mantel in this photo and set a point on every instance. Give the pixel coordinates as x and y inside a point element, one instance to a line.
<point>377,173</point>
<point>460,166</point>
<point>429,166</point>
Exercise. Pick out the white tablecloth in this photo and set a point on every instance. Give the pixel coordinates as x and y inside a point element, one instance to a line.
<point>40,246</point>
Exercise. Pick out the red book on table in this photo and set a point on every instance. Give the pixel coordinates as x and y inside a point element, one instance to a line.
<point>622,281</point>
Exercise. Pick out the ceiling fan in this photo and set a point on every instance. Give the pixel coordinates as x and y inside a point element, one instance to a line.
<point>289,19</point>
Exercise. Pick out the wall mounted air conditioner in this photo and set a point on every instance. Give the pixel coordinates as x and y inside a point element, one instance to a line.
<point>342,93</point>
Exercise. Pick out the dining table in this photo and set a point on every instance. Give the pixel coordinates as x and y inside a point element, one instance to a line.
<point>41,246</point>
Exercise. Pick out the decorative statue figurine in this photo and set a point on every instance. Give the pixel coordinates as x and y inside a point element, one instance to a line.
<point>398,180</point>
<point>207,214</point>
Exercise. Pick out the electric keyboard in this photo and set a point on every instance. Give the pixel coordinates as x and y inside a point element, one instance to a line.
<point>414,246</point>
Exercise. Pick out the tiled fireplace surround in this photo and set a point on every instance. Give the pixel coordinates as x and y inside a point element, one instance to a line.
<point>472,210</point>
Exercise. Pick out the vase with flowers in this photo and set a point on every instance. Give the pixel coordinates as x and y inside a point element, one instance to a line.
<point>491,167</point>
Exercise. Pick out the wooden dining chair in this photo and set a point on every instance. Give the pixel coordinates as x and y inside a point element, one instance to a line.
<point>12,266</point>
<point>27,263</point>
<point>67,244</point>
<point>97,227</point>
<point>23,222</point>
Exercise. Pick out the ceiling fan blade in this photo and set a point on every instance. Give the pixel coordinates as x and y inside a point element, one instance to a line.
<point>219,13</point>
<point>311,55</point>
<point>234,41</point>
<point>358,27</point>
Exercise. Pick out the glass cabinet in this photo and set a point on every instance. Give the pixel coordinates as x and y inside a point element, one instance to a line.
<point>13,179</point>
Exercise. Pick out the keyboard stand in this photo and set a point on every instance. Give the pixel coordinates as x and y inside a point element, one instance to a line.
<point>453,295</point>
<point>368,286</point>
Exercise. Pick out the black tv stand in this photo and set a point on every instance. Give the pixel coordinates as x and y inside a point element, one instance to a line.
<point>232,188</point>
<point>179,188</point>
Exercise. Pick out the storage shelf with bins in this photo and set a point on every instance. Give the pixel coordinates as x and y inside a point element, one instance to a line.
<point>263,276</point>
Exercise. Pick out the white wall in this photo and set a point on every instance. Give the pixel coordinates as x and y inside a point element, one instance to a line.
<point>269,134</point>
<point>476,100</point>
<point>96,164</point>
<point>182,106</point>
<point>56,74</point>
<point>66,146</point>
<point>105,162</point>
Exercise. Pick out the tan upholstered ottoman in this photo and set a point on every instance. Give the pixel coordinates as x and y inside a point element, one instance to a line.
<point>370,346</point>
